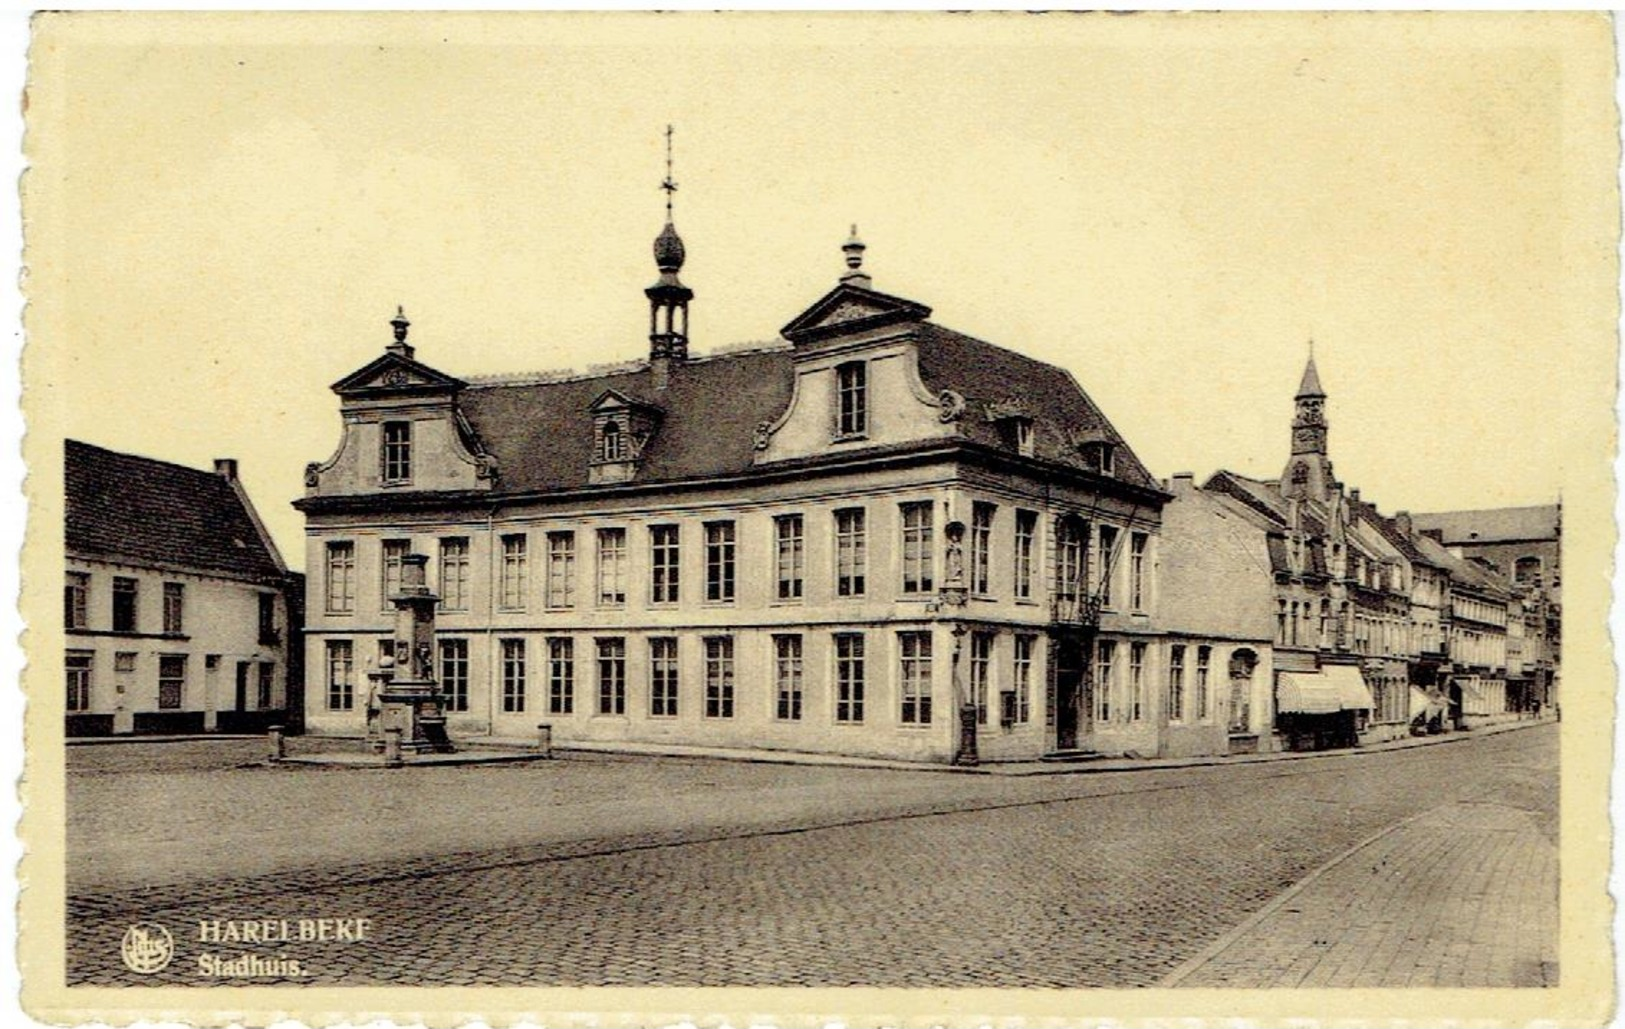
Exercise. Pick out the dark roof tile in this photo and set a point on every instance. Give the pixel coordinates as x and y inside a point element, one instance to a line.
<point>136,509</point>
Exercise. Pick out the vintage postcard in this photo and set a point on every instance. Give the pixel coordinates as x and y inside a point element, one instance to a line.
<point>915,519</point>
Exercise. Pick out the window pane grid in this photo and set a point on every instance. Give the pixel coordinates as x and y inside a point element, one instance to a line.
<point>917,544</point>
<point>511,594</point>
<point>719,562</point>
<point>851,557</point>
<point>663,677</point>
<point>790,555</point>
<point>787,677</point>
<point>513,676</point>
<point>719,677</point>
<point>665,564</point>
<point>612,676</point>
<point>849,678</point>
<point>340,683</point>
<point>981,542</point>
<point>454,573</point>
<point>454,674</point>
<point>561,676</point>
<point>915,649</point>
<point>611,567</point>
<point>340,577</point>
<point>561,569</point>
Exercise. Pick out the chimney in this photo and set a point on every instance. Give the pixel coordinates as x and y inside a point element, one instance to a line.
<point>1354,496</point>
<point>1182,484</point>
<point>226,468</point>
<point>1403,520</point>
<point>1436,535</point>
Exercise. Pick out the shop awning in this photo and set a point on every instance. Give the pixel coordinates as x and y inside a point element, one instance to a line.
<point>1424,703</point>
<point>1420,702</point>
<point>1334,688</point>
<point>1351,687</point>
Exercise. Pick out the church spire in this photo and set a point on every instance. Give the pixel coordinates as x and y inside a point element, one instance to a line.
<point>1308,472</point>
<point>668,297</point>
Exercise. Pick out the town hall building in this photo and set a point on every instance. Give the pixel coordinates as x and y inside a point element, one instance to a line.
<point>875,536</point>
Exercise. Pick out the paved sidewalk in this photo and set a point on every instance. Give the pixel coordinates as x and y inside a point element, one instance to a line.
<point>1013,768</point>
<point>1464,895</point>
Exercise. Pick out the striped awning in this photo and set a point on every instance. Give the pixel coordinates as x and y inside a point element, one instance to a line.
<point>1333,688</point>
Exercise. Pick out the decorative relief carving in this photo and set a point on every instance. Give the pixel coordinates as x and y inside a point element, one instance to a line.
<point>396,377</point>
<point>485,467</point>
<point>313,473</point>
<point>849,311</point>
<point>761,436</point>
<point>952,403</point>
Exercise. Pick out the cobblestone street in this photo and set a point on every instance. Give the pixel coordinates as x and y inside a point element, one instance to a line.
<point>659,871</point>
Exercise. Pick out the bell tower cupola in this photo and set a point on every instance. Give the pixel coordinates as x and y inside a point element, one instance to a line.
<point>1308,474</point>
<point>668,297</point>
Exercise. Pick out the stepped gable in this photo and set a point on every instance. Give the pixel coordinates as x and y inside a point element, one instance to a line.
<point>1062,413</point>
<point>541,433</point>
<point>121,507</point>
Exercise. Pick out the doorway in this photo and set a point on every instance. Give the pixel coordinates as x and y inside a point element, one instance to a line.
<point>242,686</point>
<point>1068,693</point>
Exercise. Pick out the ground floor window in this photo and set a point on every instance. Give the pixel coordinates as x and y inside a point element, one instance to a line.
<point>787,677</point>
<point>849,677</point>
<point>513,676</point>
<point>1136,682</point>
<point>454,674</point>
<point>1204,664</point>
<point>663,677</point>
<point>915,680</point>
<point>1021,678</point>
<point>79,670</point>
<point>1176,683</point>
<point>981,666</point>
<point>719,677</point>
<point>340,675</point>
<point>171,681</point>
<point>561,676</point>
<point>1105,653</point>
<point>612,676</point>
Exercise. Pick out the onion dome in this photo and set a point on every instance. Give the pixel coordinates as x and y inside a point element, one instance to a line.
<point>669,251</point>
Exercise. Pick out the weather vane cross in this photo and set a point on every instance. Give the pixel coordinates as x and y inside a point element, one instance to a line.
<point>667,184</point>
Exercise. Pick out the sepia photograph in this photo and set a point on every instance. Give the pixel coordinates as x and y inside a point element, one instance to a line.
<point>898,519</point>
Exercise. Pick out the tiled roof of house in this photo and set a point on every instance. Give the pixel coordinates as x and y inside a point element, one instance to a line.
<point>136,509</point>
<point>1493,525</point>
<point>1062,413</point>
<point>540,432</point>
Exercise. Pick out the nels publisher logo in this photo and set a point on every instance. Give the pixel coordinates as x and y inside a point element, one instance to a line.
<point>147,948</point>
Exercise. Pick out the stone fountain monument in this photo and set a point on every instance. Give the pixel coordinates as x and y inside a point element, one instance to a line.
<point>410,706</point>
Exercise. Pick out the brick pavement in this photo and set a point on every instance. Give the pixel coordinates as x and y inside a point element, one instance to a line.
<point>1092,881</point>
<point>1464,895</point>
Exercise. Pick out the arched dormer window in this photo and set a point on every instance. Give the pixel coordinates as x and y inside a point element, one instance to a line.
<point>612,443</point>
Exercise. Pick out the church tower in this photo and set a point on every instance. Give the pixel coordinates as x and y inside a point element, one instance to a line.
<point>1308,474</point>
<point>668,298</point>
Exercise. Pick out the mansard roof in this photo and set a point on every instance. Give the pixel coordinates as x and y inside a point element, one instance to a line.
<point>541,432</point>
<point>121,507</point>
<point>989,376</point>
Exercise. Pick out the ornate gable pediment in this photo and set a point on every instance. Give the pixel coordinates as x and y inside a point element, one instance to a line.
<point>848,309</point>
<point>394,374</point>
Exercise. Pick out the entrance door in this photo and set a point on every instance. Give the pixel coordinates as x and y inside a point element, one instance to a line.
<point>242,686</point>
<point>1068,693</point>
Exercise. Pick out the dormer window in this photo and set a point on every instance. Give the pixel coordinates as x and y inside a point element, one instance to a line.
<point>622,426</point>
<point>397,452</point>
<point>612,443</point>
<point>1100,457</point>
<point>1022,431</point>
<point>852,400</point>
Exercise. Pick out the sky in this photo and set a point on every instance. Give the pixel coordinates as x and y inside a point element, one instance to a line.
<point>229,210</point>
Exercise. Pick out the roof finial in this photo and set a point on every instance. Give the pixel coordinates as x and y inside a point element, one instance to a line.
<point>667,183</point>
<point>400,325</point>
<point>854,248</point>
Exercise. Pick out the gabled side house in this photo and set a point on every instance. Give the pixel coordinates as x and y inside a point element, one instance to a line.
<point>176,604</point>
